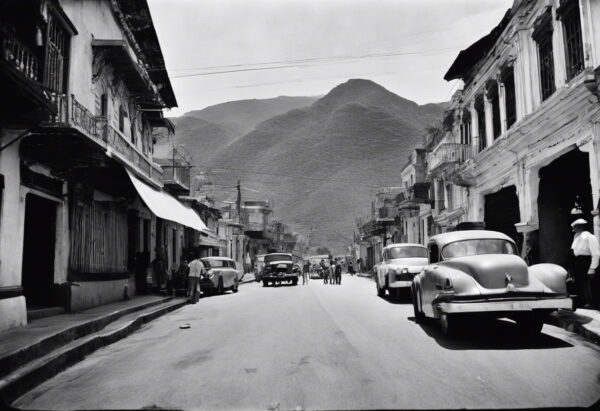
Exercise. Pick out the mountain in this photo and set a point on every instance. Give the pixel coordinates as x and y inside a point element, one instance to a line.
<point>204,131</point>
<point>322,163</point>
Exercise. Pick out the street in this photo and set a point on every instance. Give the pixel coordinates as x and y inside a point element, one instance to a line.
<point>323,347</point>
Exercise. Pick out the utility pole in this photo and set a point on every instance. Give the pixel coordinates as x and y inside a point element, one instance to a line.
<point>239,202</point>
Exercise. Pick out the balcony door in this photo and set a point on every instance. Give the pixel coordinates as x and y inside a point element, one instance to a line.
<point>56,58</point>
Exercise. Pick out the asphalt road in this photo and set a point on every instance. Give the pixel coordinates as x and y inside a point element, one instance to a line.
<point>323,347</point>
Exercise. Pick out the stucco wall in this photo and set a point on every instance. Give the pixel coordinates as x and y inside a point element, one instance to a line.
<point>13,312</point>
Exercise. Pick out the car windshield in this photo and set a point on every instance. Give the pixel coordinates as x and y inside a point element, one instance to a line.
<point>277,257</point>
<point>408,252</point>
<point>480,246</point>
<point>216,263</point>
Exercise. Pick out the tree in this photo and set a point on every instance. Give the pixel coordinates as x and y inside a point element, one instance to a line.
<point>323,250</point>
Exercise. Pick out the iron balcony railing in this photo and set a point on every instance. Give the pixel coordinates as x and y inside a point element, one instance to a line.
<point>18,54</point>
<point>447,153</point>
<point>72,113</point>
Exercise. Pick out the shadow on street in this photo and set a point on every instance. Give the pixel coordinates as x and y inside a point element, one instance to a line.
<point>498,334</point>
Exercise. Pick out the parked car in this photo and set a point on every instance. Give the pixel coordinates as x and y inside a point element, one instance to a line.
<point>279,267</point>
<point>401,262</point>
<point>479,272</point>
<point>219,274</point>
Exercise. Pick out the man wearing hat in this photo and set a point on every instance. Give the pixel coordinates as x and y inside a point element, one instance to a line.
<point>585,254</point>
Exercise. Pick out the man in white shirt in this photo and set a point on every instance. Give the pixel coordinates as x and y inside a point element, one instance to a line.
<point>585,251</point>
<point>196,268</point>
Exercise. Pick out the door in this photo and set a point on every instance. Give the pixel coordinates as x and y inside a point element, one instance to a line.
<point>39,244</point>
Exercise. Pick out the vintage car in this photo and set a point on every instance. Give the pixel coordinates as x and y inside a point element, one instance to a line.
<point>479,273</point>
<point>279,267</point>
<point>219,274</point>
<point>401,262</point>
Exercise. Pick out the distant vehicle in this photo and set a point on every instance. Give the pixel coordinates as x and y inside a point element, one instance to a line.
<point>260,266</point>
<point>401,262</point>
<point>480,272</point>
<point>279,267</point>
<point>315,261</point>
<point>219,274</point>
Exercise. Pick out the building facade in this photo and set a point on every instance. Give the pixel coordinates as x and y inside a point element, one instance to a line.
<point>520,150</point>
<point>82,211</point>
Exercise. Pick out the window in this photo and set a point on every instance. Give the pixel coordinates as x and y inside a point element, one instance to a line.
<point>477,247</point>
<point>174,246</point>
<point>568,13</point>
<point>465,128</point>
<point>542,35</point>
<point>495,101</point>
<point>406,252</point>
<point>480,109</point>
<point>104,105</point>
<point>57,55</point>
<point>508,79</point>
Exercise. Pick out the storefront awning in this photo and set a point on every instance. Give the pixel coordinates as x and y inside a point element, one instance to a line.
<point>166,206</point>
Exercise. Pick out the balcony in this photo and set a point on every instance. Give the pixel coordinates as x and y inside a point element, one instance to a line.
<point>416,194</point>
<point>448,153</point>
<point>71,114</point>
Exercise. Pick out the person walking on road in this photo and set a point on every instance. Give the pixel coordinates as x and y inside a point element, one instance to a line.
<point>338,273</point>
<point>350,268</point>
<point>305,272</point>
<point>325,270</point>
<point>332,265</point>
<point>585,255</point>
<point>196,268</point>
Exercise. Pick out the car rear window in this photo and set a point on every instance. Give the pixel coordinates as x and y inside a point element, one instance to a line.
<point>277,257</point>
<point>408,252</point>
<point>476,247</point>
<point>216,263</point>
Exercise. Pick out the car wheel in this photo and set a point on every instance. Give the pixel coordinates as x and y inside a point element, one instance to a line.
<point>220,289</point>
<point>295,281</point>
<point>380,292</point>
<point>234,288</point>
<point>265,283</point>
<point>448,323</point>
<point>416,300</point>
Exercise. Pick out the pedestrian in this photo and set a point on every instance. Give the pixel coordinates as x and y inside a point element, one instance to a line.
<point>196,267</point>
<point>585,254</point>
<point>350,268</point>
<point>305,272</point>
<point>332,264</point>
<point>338,273</point>
<point>325,271</point>
<point>158,268</point>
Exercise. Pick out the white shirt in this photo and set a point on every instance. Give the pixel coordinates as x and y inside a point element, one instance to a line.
<point>585,243</point>
<point>196,267</point>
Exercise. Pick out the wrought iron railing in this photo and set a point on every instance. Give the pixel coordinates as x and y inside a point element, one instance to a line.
<point>18,54</point>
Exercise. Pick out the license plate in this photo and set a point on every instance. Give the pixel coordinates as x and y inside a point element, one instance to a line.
<point>521,307</point>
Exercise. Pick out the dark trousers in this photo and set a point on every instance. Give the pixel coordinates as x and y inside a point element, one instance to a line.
<point>193,289</point>
<point>578,269</point>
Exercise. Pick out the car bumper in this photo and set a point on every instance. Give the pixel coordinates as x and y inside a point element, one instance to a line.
<point>517,305</point>
<point>285,277</point>
<point>401,284</point>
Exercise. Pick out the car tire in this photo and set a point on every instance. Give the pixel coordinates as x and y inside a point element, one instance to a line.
<point>380,292</point>
<point>416,300</point>
<point>265,283</point>
<point>295,281</point>
<point>220,289</point>
<point>235,287</point>
<point>448,323</point>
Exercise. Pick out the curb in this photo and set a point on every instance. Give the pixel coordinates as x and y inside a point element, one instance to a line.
<point>15,360</point>
<point>575,323</point>
<point>16,385</point>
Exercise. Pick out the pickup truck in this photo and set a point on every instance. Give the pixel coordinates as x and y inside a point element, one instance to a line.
<point>279,267</point>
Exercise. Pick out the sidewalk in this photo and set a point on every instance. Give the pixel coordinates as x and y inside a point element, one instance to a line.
<point>41,349</point>
<point>248,278</point>
<point>582,321</point>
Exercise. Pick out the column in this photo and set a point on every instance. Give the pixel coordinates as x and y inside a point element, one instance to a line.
<point>502,104</point>
<point>474,127</point>
<point>489,125</point>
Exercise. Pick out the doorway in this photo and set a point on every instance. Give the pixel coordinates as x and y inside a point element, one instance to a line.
<point>39,244</point>
<point>502,212</point>
<point>561,182</point>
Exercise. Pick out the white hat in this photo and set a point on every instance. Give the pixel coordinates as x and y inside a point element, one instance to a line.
<point>579,221</point>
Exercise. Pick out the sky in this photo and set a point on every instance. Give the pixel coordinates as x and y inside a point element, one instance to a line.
<point>225,50</point>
